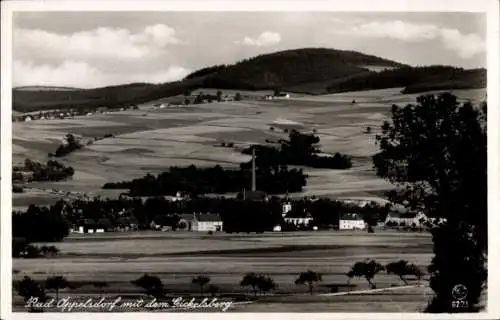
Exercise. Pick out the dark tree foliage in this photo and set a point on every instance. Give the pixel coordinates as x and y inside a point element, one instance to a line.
<point>201,281</point>
<point>414,79</point>
<point>52,171</point>
<point>57,283</point>
<point>196,181</point>
<point>40,224</point>
<point>309,277</point>
<point>265,284</point>
<point>301,149</point>
<point>29,288</point>
<point>435,152</point>
<point>206,71</point>
<point>251,280</point>
<point>151,284</point>
<point>367,269</point>
<point>72,144</point>
<point>400,268</point>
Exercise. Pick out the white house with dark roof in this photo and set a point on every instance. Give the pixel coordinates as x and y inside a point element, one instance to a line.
<point>351,221</point>
<point>206,222</point>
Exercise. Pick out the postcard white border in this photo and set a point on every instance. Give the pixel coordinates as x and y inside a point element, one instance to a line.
<point>491,7</point>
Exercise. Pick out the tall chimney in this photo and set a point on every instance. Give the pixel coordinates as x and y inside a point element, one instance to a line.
<point>254,186</point>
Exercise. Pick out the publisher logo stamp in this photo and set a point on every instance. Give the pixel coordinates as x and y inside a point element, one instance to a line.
<point>459,293</point>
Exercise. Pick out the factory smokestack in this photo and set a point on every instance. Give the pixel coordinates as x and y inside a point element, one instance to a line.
<point>254,183</point>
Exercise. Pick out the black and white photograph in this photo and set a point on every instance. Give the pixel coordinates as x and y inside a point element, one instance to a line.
<point>249,161</point>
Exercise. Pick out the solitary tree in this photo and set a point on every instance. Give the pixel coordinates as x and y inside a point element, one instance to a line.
<point>399,268</point>
<point>213,289</point>
<point>435,152</point>
<point>309,277</point>
<point>29,288</point>
<point>201,280</point>
<point>367,269</point>
<point>250,280</point>
<point>57,283</point>
<point>151,284</point>
<point>266,284</point>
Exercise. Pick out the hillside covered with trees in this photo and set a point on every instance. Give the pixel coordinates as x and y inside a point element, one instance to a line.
<point>307,70</point>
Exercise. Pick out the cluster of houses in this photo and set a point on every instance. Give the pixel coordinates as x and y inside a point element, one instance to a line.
<point>65,114</point>
<point>205,222</point>
<point>280,95</point>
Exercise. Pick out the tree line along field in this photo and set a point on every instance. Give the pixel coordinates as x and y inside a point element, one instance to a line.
<point>178,257</point>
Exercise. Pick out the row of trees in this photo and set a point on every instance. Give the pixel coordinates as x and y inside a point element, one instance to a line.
<point>51,171</point>
<point>215,180</point>
<point>259,283</point>
<point>22,248</point>
<point>300,149</point>
<point>40,224</point>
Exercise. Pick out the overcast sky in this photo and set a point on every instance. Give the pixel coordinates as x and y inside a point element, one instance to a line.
<point>92,49</point>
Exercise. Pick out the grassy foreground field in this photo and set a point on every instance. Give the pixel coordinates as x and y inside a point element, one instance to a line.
<point>151,140</point>
<point>177,257</point>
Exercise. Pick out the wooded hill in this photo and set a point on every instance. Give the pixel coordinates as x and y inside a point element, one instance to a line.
<point>310,70</point>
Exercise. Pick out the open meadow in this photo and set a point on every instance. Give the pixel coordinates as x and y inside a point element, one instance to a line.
<point>177,257</point>
<point>153,139</point>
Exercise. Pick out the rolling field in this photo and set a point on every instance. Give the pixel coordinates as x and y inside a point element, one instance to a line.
<point>151,140</point>
<point>177,257</point>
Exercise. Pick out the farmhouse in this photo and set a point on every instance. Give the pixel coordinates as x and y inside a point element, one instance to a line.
<point>351,221</point>
<point>406,218</point>
<point>200,222</point>
<point>207,222</point>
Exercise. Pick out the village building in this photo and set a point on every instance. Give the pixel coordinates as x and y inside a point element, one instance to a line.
<point>351,221</point>
<point>409,219</point>
<point>287,207</point>
<point>207,222</point>
<point>299,221</point>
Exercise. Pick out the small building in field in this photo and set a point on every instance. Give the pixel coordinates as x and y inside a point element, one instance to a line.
<point>351,221</point>
<point>206,222</point>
